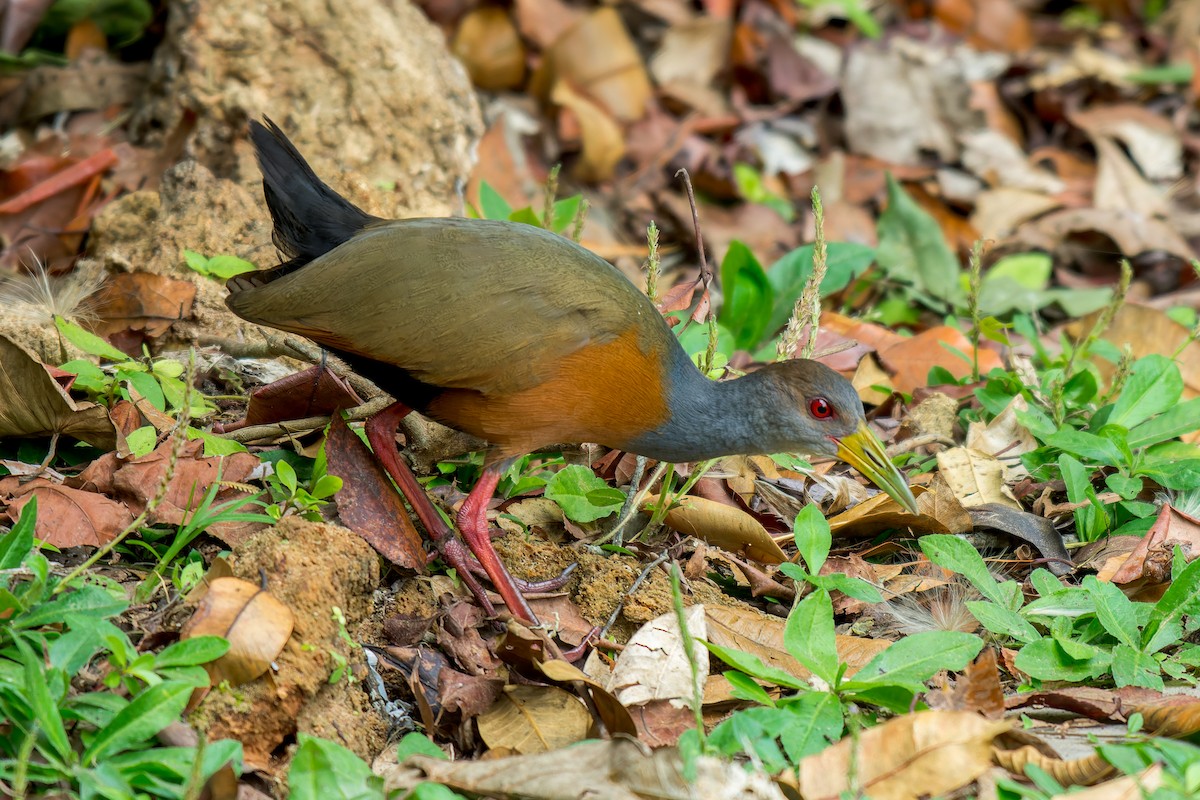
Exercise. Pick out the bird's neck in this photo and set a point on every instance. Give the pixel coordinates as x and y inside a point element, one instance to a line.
<point>711,419</point>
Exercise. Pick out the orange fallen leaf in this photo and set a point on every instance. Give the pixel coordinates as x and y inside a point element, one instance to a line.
<point>256,624</point>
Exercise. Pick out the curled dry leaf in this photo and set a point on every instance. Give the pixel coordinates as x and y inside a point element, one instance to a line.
<point>534,719</point>
<point>33,404</point>
<point>613,714</point>
<point>141,301</point>
<point>1005,439</point>
<point>882,512</point>
<point>256,624</point>
<point>929,753</point>
<point>723,526</point>
<point>1084,771</point>
<point>1172,527</point>
<point>1147,331</point>
<point>910,360</point>
<point>654,664</point>
<point>975,478</point>
<point>1126,787</point>
<point>312,392</point>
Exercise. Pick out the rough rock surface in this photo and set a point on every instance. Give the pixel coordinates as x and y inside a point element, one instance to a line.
<point>365,88</point>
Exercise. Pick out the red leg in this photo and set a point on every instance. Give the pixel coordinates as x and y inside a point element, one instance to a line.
<point>473,526</point>
<point>381,433</point>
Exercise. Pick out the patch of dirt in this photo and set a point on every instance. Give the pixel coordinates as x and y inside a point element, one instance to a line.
<point>311,568</point>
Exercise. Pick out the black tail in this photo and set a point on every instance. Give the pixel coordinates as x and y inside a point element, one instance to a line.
<point>310,218</point>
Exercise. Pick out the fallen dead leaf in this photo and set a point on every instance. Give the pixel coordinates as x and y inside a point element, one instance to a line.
<point>1073,772</point>
<point>926,753</point>
<point>1005,439</point>
<point>599,59</point>
<point>909,360</point>
<point>975,478</point>
<point>534,719</point>
<point>654,664</point>
<point>723,526</point>
<point>1171,528</point>
<point>34,404</point>
<point>603,142</point>
<point>68,517</point>
<point>141,301</point>
<point>488,45</point>
<point>256,624</point>
<point>1126,787</point>
<point>615,716</point>
<point>882,512</point>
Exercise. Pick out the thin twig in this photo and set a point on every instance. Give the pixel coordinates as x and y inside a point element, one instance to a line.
<point>254,433</point>
<point>635,482</point>
<point>706,276</point>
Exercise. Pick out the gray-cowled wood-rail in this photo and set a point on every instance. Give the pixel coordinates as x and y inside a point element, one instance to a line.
<point>524,339</point>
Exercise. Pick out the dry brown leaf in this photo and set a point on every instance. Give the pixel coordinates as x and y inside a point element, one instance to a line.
<point>928,753</point>
<point>976,689</point>
<point>723,526</point>
<point>256,624</point>
<point>1126,787</point>
<point>598,57</point>
<point>1000,211</point>
<point>1171,528</point>
<point>1133,234</point>
<point>868,375</point>
<point>619,769</point>
<point>1076,772</point>
<point>910,359</point>
<point>142,301</point>
<point>1150,138</point>
<point>534,719</point>
<point>1148,330</point>
<point>603,142</point>
<point>882,512</point>
<point>1004,438</point>
<point>975,478</point>
<point>488,45</point>
<point>654,664</point>
<point>616,717</point>
<point>69,517</point>
<point>33,404</point>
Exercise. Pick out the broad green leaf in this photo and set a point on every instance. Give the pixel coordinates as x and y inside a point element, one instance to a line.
<point>88,601</point>
<point>225,267</point>
<point>18,542</point>
<point>215,445</point>
<point>142,440</point>
<point>844,261</point>
<point>809,636</point>
<point>1154,386</point>
<point>146,385</point>
<point>743,687</point>
<point>1131,667</point>
<point>957,555</point>
<point>1000,620</point>
<point>418,744</point>
<point>913,249</point>
<point>813,538</point>
<point>915,659</point>
<point>1114,610</point>
<point>491,204</point>
<point>195,261</point>
<point>857,588</point>
<point>87,341</point>
<point>1173,474</point>
<point>146,715</point>
<point>564,213</point>
<point>749,297</point>
<point>45,708</point>
<point>1085,445</point>
<point>1046,660</point>
<point>816,721</point>
<point>752,665</point>
<point>324,770</point>
<point>1182,597</point>
<point>192,652</point>
<point>582,495</point>
<point>1124,485</point>
<point>1028,270</point>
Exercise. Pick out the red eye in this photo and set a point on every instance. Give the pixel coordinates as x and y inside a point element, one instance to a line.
<point>819,407</point>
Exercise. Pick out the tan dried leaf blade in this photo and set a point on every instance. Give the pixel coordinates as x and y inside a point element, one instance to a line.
<point>534,719</point>
<point>975,478</point>
<point>256,624</point>
<point>723,526</point>
<point>33,404</point>
<point>654,664</point>
<point>928,753</point>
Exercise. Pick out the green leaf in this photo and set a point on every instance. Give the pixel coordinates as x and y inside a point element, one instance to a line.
<point>148,713</point>
<point>815,721</point>
<point>88,601</point>
<point>912,248</point>
<point>957,555</point>
<point>146,385</point>
<point>215,445</point>
<point>1182,597</point>
<point>1003,621</point>
<point>752,665</point>
<point>18,542</point>
<point>142,440</point>
<point>564,213</point>
<point>195,261</point>
<point>1168,73</point>
<point>44,706</point>
<point>911,661</point>
<point>1173,474</point>
<point>1028,270</point>
<point>418,744</point>
<point>1180,419</point>
<point>813,538</point>
<point>225,267</point>
<point>1124,485</point>
<point>1086,445</point>
<point>491,204</point>
<point>1154,386</point>
<point>192,652</point>
<point>1114,610</point>
<point>857,588</point>
<point>743,687</point>
<point>809,636</point>
<point>1131,667</point>
<point>749,297</point>
<point>87,341</point>
<point>1046,660</point>
<point>844,261</point>
<point>583,496</point>
<point>324,770</point>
